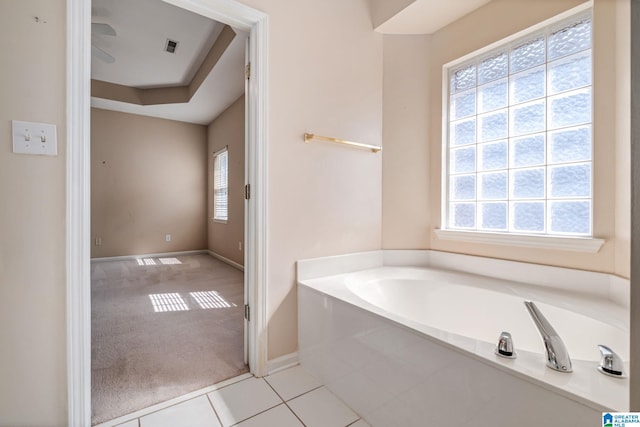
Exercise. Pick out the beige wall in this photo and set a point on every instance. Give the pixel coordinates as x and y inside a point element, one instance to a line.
<point>405,162</point>
<point>634,380</point>
<point>32,219</point>
<point>325,77</point>
<point>323,199</point>
<point>383,10</point>
<point>622,41</point>
<point>228,129</point>
<point>611,141</point>
<point>148,179</point>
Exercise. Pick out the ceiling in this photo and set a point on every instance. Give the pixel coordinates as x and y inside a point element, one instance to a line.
<point>428,16</point>
<point>142,28</point>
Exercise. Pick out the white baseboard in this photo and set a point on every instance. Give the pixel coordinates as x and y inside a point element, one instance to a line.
<point>158,255</point>
<point>226,260</point>
<point>283,362</point>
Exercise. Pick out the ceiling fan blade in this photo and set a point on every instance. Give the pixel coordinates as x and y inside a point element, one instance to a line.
<point>102,29</point>
<point>102,55</point>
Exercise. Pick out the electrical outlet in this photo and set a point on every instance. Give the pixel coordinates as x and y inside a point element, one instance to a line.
<point>98,241</point>
<point>239,246</point>
<point>167,238</point>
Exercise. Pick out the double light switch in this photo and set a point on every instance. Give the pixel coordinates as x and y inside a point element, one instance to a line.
<point>34,138</point>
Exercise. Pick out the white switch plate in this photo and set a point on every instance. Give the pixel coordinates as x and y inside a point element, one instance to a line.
<point>34,138</point>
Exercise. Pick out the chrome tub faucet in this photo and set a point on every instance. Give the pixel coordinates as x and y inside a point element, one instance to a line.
<point>556,354</point>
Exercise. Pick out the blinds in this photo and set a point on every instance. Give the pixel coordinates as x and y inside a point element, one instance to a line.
<point>221,186</point>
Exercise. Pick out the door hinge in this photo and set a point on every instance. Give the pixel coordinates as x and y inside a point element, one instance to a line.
<point>247,312</point>
<point>247,192</point>
<point>247,71</point>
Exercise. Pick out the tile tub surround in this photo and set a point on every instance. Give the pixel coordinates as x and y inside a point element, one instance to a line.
<point>372,362</point>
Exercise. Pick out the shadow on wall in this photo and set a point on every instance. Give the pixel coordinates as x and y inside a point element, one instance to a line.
<point>280,320</point>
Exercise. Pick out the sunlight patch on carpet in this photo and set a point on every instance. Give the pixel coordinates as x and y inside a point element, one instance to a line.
<point>210,299</point>
<point>161,261</point>
<point>168,302</point>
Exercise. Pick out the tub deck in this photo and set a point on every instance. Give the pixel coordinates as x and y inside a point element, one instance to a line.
<point>449,308</point>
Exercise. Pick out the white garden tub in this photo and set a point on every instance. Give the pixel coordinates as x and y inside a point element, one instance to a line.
<point>393,340</point>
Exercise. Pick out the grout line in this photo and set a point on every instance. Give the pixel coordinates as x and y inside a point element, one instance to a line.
<point>307,392</point>
<point>272,388</point>
<point>261,412</point>
<point>283,402</point>
<point>214,409</point>
<point>294,414</point>
<point>253,416</point>
<point>286,404</point>
<point>319,387</point>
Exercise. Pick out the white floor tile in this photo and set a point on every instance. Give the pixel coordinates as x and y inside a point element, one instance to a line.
<point>360,423</point>
<point>196,412</point>
<point>280,416</point>
<point>132,423</point>
<point>293,382</point>
<point>320,408</point>
<point>242,400</point>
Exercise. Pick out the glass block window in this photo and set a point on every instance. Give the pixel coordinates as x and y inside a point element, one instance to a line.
<point>519,135</point>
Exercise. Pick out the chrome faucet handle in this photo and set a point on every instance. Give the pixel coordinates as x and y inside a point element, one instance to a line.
<point>610,364</point>
<point>505,346</point>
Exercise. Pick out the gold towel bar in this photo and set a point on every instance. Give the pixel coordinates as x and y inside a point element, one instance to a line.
<point>309,136</point>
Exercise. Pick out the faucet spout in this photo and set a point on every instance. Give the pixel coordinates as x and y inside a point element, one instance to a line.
<point>556,354</point>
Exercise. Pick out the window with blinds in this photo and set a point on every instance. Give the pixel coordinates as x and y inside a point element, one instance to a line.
<point>221,186</point>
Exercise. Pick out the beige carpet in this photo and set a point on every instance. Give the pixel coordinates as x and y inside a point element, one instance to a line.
<point>162,329</point>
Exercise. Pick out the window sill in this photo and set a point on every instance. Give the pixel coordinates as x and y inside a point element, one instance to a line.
<point>219,221</point>
<point>574,244</point>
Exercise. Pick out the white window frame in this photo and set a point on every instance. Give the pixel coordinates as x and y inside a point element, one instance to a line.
<point>509,238</point>
<point>217,155</point>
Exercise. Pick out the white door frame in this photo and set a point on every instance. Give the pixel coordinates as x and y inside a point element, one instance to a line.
<point>78,221</point>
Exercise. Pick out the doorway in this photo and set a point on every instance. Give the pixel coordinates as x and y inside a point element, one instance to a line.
<point>167,320</point>
<point>78,167</point>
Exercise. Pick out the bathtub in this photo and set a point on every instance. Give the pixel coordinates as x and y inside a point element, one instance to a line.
<point>402,336</point>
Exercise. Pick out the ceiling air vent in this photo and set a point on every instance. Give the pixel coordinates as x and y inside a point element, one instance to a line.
<point>171,46</point>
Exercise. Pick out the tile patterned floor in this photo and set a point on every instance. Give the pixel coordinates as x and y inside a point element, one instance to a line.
<point>290,398</point>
